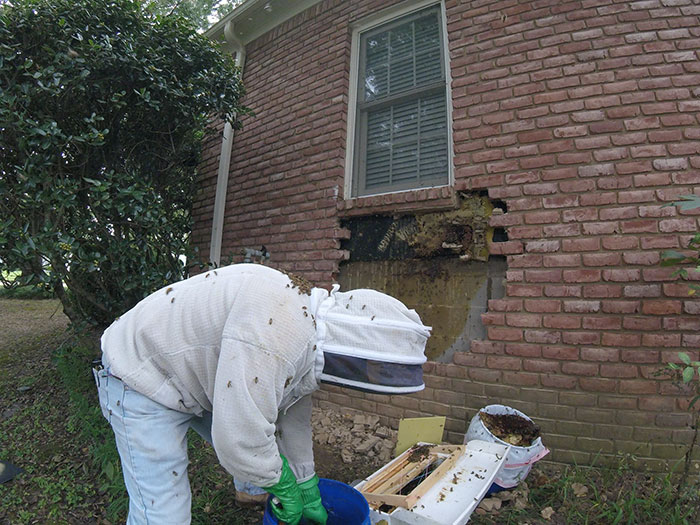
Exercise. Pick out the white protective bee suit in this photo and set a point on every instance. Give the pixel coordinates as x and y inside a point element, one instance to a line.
<point>249,345</point>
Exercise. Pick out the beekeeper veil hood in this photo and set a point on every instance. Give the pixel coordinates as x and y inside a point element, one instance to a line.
<point>371,341</point>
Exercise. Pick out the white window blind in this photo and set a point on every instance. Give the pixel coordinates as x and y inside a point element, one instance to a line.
<point>402,114</point>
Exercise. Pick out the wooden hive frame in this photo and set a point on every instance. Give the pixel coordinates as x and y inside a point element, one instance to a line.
<point>384,487</point>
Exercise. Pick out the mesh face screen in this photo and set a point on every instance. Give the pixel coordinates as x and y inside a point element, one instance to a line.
<point>373,374</point>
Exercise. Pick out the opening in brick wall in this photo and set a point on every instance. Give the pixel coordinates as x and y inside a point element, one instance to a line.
<point>437,263</point>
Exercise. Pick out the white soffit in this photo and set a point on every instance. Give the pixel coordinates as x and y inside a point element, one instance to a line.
<point>254,18</point>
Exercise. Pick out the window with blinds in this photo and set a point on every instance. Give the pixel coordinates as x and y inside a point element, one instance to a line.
<point>401,140</point>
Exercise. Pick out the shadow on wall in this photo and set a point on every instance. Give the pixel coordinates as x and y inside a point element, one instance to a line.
<point>448,293</point>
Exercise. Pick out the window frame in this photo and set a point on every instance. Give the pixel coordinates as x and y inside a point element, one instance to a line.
<point>355,140</point>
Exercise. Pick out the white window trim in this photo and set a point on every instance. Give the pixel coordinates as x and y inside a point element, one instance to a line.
<point>382,17</point>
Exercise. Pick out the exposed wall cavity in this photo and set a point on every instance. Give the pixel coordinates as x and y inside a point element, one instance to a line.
<point>437,263</point>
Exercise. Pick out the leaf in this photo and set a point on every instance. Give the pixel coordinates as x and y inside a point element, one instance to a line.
<point>684,357</point>
<point>109,471</point>
<point>689,202</point>
<point>693,401</point>
<point>688,373</point>
<point>580,490</point>
<point>547,513</point>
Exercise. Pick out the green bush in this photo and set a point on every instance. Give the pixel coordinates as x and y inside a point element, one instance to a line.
<point>103,108</point>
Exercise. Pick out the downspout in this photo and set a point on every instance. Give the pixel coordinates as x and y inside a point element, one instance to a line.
<point>217,227</point>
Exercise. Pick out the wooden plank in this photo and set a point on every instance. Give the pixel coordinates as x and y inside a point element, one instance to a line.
<point>383,488</point>
<point>406,476</point>
<point>376,481</point>
<point>394,500</point>
<point>434,477</point>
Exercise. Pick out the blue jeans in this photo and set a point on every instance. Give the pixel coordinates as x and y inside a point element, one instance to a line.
<point>152,444</point>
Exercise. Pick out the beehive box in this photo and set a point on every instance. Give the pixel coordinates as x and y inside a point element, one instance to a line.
<point>432,484</point>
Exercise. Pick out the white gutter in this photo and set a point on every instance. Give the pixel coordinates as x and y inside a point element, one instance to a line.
<point>217,227</point>
<point>252,18</point>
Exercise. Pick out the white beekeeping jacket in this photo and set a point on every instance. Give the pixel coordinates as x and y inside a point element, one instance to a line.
<point>240,342</point>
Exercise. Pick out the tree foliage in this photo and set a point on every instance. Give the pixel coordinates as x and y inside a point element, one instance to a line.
<point>200,12</point>
<point>103,107</point>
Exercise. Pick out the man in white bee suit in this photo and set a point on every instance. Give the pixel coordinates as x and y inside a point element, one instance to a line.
<point>235,353</point>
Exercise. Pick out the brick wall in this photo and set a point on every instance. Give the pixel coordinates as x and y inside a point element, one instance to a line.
<point>583,118</point>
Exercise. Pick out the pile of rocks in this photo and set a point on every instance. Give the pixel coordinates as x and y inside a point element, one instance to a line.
<point>356,435</point>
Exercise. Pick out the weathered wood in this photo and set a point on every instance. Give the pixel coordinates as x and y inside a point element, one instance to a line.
<point>383,489</point>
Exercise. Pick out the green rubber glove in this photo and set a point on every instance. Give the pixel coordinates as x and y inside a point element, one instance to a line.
<point>311,496</point>
<point>290,505</point>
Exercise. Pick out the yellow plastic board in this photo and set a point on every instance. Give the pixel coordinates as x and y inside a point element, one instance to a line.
<point>419,429</point>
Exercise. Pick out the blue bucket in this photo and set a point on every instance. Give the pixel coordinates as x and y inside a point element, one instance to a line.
<point>345,505</point>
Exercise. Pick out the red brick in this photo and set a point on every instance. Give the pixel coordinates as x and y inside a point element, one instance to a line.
<point>505,305</point>
<point>581,245</point>
<point>621,307</point>
<point>641,323</point>
<point>621,339</point>
<point>562,322</point>
<point>554,261</point>
<point>639,356</point>
<point>618,371</point>
<point>686,224</point>
<point>558,381</point>
<point>541,365</point>
<point>598,199</point>
<point>591,291</point>
<point>601,259</point>
<point>642,290</point>
<point>523,290</point>
<point>523,349</point>
<point>580,214</point>
<point>503,362</point>
<point>504,334</point>
<point>582,306</point>
<point>621,275</point>
<point>676,290</point>
<point>542,217</point>
<point>580,338</point>
<point>505,248</point>
<point>658,274</point>
<point>600,354</point>
<point>562,230</point>
<point>659,241</point>
<point>552,290</point>
<point>534,136</point>
<point>620,243</point>
<point>528,260</point>
<point>580,369</point>
<point>661,307</point>
<point>643,258</point>
<point>581,276</point>
<point>542,246</point>
<point>492,318</point>
<point>602,323</point>
<point>521,320</point>
<point>661,340</point>
<point>487,376</point>
<point>595,384</point>
<point>469,359</point>
<point>637,386</point>
<point>542,336</point>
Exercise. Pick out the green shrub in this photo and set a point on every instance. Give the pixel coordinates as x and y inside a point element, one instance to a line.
<point>103,108</point>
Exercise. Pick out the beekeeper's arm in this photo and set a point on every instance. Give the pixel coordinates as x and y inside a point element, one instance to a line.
<point>250,382</point>
<point>295,442</point>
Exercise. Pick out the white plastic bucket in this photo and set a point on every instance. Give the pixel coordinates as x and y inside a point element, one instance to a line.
<point>519,460</point>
